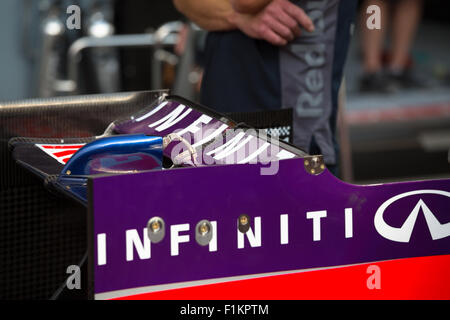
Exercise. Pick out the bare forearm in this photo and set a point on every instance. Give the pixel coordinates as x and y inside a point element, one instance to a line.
<point>278,22</point>
<point>249,6</point>
<point>211,15</point>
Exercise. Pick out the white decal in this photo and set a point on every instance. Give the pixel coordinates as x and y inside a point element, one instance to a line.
<point>253,238</point>
<point>230,146</point>
<point>348,223</point>
<point>162,105</point>
<point>193,128</point>
<point>60,152</point>
<point>172,118</point>
<point>101,249</point>
<point>284,154</point>
<point>316,216</point>
<point>213,242</point>
<point>221,129</point>
<point>134,241</point>
<point>284,229</point>
<point>403,234</point>
<point>176,239</point>
<point>255,154</point>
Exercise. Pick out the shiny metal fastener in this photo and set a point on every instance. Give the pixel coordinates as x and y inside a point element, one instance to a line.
<point>203,232</point>
<point>156,229</point>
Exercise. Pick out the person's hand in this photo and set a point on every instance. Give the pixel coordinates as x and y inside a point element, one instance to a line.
<point>278,23</point>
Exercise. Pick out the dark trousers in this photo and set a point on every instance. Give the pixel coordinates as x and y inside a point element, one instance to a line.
<point>346,19</point>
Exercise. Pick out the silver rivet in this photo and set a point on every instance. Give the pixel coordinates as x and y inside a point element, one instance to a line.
<point>203,232</point>
<point>156,229</point>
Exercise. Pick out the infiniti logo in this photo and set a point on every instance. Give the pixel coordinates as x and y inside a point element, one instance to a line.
<point>403,234</point>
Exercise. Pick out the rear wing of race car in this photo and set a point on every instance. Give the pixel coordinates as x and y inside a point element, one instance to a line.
<point>169,132</point>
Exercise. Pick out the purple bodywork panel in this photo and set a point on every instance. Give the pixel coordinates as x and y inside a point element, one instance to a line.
<point>330,223</point>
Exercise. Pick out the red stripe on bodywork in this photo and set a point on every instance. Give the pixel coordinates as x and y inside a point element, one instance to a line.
<point>63,147</point>
<point>412,278</point>
<point>64,153</point>
<point>65,160</point>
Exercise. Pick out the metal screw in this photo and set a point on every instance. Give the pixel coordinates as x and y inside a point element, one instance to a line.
<point>156,229</point>
<point>156,226</point>
<point>203,229</point>
<point>243,223</point>
<point>203,232</point>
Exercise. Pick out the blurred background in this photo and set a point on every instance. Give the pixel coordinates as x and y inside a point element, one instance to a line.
<point>395,129</point>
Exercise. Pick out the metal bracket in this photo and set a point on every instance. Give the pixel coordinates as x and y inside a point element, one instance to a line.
<point>314,164</point>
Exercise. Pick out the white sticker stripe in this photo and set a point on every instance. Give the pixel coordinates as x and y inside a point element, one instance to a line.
<point>221,129</point>
<point>162,105</point>
<point>171,119</point>
<point>255,154</point>
<point>101,249</point>
<point>227,152</point>
<point>284,154</point>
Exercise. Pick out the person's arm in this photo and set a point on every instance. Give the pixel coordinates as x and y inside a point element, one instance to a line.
<point>278,22</point>
<point>211,15</point>
<point>249,6</point>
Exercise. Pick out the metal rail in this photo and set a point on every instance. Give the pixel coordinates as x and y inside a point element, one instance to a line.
<point>166,35</point>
